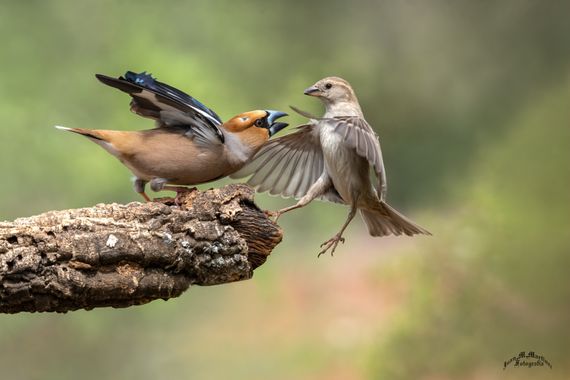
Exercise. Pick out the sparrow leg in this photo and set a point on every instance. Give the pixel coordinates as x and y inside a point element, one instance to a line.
<point>139,186</point>
<point>333,242</point>
<point>317,189</point>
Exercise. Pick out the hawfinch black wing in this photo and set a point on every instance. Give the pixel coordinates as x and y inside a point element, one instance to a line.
<point>359,135</point>
<point>167,105</point>
<point>288,165</point>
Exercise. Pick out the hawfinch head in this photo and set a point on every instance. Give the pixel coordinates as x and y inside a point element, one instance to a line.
<point>264,121</point>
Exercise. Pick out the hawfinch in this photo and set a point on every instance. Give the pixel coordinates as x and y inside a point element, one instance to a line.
<point>190,144</point>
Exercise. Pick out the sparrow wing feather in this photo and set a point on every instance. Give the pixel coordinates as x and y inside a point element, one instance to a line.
<point>288,165</point>
<point>304,113</point>
<point>360,136</point>
<point>169,106</point>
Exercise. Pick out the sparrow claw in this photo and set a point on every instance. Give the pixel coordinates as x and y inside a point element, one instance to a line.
<point>331,243</point>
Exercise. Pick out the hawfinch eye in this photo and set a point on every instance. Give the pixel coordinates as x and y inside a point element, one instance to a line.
<point>259,123</point>
<point>328,85</point>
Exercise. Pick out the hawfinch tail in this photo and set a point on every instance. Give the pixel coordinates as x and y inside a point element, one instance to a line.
<point>190,144</point>
<point>330,159</point>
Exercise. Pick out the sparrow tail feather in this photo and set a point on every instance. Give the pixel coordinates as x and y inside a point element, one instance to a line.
<point>388,221</point>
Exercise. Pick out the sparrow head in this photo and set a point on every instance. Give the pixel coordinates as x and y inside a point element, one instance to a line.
<point>262,122</point>
<point>332,90</point>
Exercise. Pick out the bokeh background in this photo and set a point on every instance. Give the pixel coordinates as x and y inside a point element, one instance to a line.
<point>471,100</point>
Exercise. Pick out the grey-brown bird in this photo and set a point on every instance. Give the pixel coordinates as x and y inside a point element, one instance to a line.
<point>190,144</point>
<point>330,159</point>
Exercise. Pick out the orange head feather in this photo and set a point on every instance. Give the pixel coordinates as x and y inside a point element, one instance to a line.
<point>246,120</point>
<point>255,127</point>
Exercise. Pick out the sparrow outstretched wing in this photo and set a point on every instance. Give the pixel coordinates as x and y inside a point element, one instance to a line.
<point>289,165</point>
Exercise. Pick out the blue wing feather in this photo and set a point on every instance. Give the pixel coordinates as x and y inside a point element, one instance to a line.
<point>147,81</point>
<point>152,99</point>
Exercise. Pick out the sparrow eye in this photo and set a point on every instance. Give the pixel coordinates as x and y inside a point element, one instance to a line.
<point>328,85</point>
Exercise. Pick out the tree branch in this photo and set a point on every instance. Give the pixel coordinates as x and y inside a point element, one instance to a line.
<point>122,255</point>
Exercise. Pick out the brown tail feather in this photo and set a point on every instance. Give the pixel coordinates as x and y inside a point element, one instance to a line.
<point>85,132</point>
<point>387,221</point>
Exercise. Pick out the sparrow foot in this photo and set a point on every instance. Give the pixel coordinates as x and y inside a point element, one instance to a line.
<point>273,215</point>
<point>331,243</point>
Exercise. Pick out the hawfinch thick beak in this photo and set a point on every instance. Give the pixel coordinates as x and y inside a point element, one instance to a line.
<point>274,127</point>
<point>312,91</point>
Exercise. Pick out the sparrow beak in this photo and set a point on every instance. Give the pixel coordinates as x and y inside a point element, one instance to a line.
<point>274,127</point>
<point>312,91</point>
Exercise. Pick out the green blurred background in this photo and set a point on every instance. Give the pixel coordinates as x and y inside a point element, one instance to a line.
<point>471,100</point>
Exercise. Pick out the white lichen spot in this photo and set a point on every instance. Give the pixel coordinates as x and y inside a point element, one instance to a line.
<point>111,241</point>
<point>220,230</point>
<point>167,238</point>
<point>219,261</point>
<point>186,246</point>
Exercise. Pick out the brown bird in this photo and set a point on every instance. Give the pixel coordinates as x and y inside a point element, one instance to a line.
<point>330,159</point>
<point>190,144</point>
